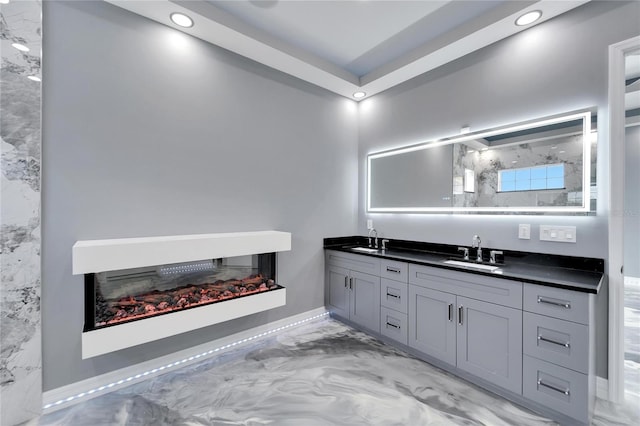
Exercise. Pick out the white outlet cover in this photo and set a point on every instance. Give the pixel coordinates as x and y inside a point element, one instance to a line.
<point>559,234</point>
<point>369,224</point>
<point>524,231</point>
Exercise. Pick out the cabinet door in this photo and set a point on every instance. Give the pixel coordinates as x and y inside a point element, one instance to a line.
<point>432,327</point>
<point>338,289</point>
<point>365,300</point>
<point>490,342</point>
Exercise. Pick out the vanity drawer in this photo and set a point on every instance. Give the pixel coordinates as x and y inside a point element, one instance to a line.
<point>393,324</point>
<point>474,286</point>
<point>560,342</point>
<point>394,270</point>
<point>394,294</point>
<point>557,302</point>
<point>355,262</point>
<point>556,387</point>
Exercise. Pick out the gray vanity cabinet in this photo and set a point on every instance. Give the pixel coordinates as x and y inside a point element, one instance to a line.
<point>338,290</point>
<point>351,293</point>
<point>490,342</point>
<point>432,318</point>
<point>364,300</point>
<point>559,348</point>
<point>469,321</point>
<point>393,299</point>
<point>533,340</point>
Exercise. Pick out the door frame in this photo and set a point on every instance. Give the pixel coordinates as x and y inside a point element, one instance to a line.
<point>616,133</point>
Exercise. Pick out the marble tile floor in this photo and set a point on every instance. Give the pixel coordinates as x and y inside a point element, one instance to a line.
<point>322,373</point>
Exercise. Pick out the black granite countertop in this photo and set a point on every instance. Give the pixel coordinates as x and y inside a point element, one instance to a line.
<point>569,272</point>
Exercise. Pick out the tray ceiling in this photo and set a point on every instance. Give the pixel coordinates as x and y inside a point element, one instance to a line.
<point>350,46</point>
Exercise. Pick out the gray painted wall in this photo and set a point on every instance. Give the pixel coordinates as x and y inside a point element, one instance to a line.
<point>557,66</point>
<point>632,203</point>
<point>147,131</point>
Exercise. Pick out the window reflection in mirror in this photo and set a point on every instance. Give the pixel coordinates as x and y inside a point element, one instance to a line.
<point>529,167</point>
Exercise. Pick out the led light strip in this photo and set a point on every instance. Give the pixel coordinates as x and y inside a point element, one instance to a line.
<point>585,116</point>
<point>177,363</point>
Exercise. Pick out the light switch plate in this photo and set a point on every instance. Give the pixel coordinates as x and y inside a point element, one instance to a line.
<point>369,224</point>
<point>524,231</point>
<point>559,234</point>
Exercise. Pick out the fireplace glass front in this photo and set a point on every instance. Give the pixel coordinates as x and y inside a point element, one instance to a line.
<point>116,297</point>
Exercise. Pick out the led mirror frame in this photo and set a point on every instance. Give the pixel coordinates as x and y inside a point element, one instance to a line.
<point>586,169</point>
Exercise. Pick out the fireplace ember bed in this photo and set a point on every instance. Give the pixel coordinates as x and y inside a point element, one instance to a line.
<point>123,296</point>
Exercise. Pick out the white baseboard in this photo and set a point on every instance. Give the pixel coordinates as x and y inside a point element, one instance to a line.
<point>84,390</point>
<point>602,388</point>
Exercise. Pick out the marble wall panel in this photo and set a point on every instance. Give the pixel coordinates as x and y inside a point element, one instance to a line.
<point>20,326</point>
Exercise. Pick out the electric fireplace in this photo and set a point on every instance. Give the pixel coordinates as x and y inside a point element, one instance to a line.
<point>142,289</point>
<point>116,297</point>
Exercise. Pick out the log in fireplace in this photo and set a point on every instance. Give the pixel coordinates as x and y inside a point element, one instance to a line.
<point>122,296</point>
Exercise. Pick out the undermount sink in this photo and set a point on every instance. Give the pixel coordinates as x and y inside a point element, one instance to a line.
<point>469,265</point>
<point>365,249</point>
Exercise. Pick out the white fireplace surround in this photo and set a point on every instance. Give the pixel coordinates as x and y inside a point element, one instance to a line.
<point>94,256</point>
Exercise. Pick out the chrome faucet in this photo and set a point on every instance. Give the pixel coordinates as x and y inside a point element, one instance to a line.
<point>476,242</point>
<point>373,230</point>
<point>492,255</point>
<point>465,252</point>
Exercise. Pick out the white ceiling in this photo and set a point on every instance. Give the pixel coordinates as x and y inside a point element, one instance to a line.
<point>349,46</point>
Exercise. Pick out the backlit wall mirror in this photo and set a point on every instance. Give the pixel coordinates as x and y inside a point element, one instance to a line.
<point>532,167</point>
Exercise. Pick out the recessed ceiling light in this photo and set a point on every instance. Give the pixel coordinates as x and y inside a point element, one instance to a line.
<point>528,18</point>
<point>34,78</point>
<point>20,47</point>
<point>514,161</point>
<point>181,19</point>
<point>4,1</point>
<point>359,95</point>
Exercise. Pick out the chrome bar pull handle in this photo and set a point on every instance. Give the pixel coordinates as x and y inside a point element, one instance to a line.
<point>546,385</point>
<point>460,310</point>
<point>393,295</point>
<point>346,278</point>
<point>450,312</point>
<point>566,305</point>
<point>555,342</point>
<point>350,283</point>
<point>397,327</point>
<point>394,270</point>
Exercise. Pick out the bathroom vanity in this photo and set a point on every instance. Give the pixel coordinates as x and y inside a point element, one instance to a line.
<point>523,329</point>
